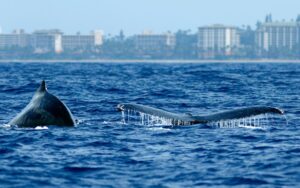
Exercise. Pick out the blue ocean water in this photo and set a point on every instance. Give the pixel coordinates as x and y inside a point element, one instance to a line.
<point>101,151</point>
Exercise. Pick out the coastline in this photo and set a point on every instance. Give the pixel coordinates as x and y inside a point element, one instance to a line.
<point>175,61</point>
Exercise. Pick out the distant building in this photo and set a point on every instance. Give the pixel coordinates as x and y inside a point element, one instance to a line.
<point>149,41</point>
<point>78,41</point>
<point>82,42</point>
<point>149,44</point>
<point>277,35</point>
<point>217,40</point>
<point>98,35</point>
<point>17,39</point>
<point>47,41</point>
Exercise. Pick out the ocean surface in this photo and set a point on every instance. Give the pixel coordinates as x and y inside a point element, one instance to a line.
<point>103,151</point>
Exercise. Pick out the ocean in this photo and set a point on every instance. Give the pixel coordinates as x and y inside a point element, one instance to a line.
<point>104,151</point>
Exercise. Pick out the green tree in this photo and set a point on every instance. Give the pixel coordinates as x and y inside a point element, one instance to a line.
<point>186,45</point>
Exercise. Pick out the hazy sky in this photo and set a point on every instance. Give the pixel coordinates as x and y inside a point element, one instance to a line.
<point>134,16</point>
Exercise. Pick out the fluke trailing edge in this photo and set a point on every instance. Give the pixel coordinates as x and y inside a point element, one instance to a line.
<point>44,109</point>
<point>182,119</point>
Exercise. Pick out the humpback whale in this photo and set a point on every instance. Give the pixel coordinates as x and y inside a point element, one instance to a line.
<point>188,119</point>
<point>44,109</point>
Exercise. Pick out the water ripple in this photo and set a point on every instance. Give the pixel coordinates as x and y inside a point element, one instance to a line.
<point>102,151</point>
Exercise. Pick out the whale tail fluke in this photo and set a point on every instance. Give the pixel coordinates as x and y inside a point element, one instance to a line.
<point>240,113</point>
<point>195,119</point>
<point>155,115</point>
<point>152,111</point>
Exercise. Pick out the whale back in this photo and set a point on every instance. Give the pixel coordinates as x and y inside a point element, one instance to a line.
<point>44,109</point>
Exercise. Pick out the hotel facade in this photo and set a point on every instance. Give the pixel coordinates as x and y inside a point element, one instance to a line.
<point>44,41</point>
<point>274,36</point>
<point>18,38</point>
<point>217,40</point>
<point>149,44</point>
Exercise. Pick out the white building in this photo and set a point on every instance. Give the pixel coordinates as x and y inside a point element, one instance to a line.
<point>44,41</point>
<point>58,43</point>
<point>82,42</point>
<point>217,40</point>
<point>98,37</point>
<point>149,41</point>
<point>53,40</point>
<point>150,45</point>
<point>277,36</point>
<point>16,39</point>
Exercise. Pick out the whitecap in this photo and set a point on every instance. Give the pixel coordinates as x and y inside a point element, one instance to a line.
<point>6,126</point>
<point>41,128</point>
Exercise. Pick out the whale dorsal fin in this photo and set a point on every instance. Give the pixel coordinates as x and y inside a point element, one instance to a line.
<point>42,87</point>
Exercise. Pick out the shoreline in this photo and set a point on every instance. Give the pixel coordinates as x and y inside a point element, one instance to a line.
<point>175,61</point>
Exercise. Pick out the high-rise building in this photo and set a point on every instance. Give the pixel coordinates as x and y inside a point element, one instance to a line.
<point>98,35</point>
<point>150,41</point>
<point>154,44</point>
<point>217,40</point>
<point>47,41</point>
<point>277,35</point>
<point>82,42</point>
<point>58,43</point>
<point>17,39</point>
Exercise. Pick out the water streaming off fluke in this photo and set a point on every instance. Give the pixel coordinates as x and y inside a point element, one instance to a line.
<point>259,121</point>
